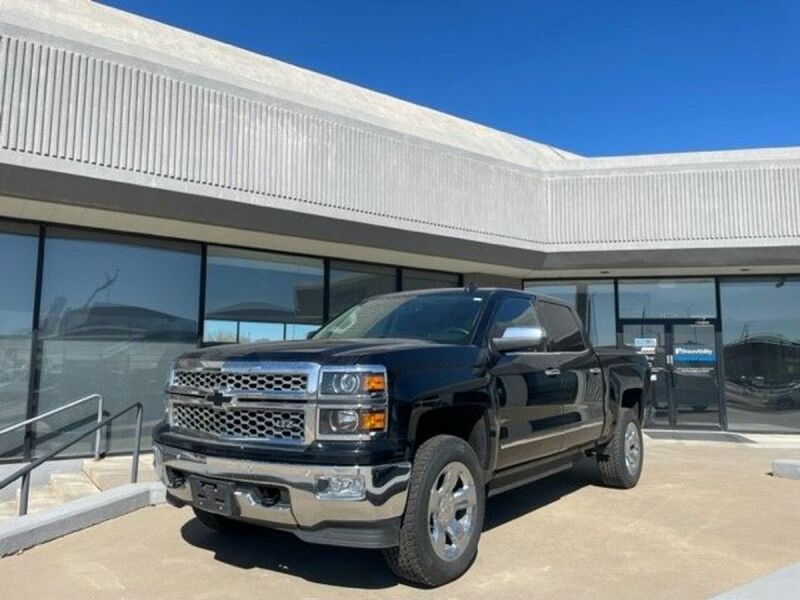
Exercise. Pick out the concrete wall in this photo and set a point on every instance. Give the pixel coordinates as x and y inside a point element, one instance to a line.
<point>86,106</point>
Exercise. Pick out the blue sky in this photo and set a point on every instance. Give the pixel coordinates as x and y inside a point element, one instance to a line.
<point>597,77</point>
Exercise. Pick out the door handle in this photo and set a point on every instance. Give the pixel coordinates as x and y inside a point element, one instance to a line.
<point>552,372</point>
<point>595,370</point>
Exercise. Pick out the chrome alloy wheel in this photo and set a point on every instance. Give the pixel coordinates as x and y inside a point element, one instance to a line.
<point>452,506</point>
<point>633,448</point>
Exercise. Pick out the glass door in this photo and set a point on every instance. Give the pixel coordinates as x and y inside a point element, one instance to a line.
<point>650,340</point>
<point>684,362</point>
<point>694,374</point>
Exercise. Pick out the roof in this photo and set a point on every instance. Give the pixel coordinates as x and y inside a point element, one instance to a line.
<point>162,44</point>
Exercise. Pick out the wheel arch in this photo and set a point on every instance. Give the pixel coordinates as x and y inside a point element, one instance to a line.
<point>469,422</point>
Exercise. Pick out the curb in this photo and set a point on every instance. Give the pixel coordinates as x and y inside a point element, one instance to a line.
<point>779,585</point>
<point>786,467</point>
<point>24,532</point>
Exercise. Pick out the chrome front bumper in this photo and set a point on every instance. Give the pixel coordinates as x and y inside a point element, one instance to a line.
<point>371,521</point>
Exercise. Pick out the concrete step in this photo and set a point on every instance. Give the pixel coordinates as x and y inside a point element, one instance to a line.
<point>61,488</point>
<point>114,471</point>
<point>95,476</point>
<point>71,486</point>
<point>40,499</point>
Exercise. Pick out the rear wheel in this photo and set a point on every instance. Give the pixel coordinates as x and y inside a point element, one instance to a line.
<point>444,514</point>
<point>620,462</point>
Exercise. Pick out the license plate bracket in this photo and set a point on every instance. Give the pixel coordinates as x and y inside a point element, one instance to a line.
<point>213,495</point>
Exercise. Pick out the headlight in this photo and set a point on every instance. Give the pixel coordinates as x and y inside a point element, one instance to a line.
<point>366,381</point>
<point>342,420</point>
<point>359,422</point>
<point>353,402</point>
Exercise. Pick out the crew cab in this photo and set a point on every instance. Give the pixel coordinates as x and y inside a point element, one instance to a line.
<point>391,426</point>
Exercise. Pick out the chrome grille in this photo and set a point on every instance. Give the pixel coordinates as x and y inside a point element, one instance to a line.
<point>240,422</point>
<point>240,381</point>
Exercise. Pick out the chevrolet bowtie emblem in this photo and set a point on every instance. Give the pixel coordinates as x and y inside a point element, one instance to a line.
<point>217,398</point>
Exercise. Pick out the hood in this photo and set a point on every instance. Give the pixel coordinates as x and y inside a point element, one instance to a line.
<point>392,353</point>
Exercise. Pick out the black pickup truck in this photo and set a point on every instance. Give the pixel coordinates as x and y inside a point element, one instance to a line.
<point>391,426</point>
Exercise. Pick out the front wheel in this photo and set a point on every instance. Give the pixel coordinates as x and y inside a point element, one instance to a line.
<point>620,462</point>
<point>444,514</point>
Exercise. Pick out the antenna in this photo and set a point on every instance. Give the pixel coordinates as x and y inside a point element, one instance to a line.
<point>471,287</point>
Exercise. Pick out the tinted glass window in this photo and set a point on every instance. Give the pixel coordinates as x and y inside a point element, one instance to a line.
<point>563,330</point>
<point>415,279</point>
<point>257,296</point>
<point>667,298</point>
<point>444,318</point>
<point>514,312</point>
<point>592,300</point>
<point>761,349</point>
<point>116,311</point>
<point>18,249</point>
<point>350,283</point>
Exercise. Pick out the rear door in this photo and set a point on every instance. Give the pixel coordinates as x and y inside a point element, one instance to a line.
<point>530,405</point>
<point>575,366</point>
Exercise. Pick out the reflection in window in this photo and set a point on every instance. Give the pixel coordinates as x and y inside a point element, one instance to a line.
<point>260,332</point>
<point>445,318</point>
<point>667,298</point>
<point>350,283</point>
<point>761,349</point>
<point>416,279</point>
<point>299,331</point>
<point>563,331</point>
<point>116,311</point>
<point>512,313</point>
<point>220,332</point>
<point>18,249</point>
<point>260,296</point>
<point>593,301</point>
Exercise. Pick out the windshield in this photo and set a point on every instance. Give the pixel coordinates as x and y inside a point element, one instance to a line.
<point>444,318</point>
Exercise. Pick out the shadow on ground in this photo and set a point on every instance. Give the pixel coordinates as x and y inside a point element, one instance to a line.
<point>346,567</point>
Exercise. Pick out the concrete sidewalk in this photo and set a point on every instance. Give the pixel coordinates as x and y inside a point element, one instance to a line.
<point>705,519</point>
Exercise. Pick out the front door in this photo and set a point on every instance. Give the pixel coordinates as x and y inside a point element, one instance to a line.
<point>529,392</point>
<point>684,359</point>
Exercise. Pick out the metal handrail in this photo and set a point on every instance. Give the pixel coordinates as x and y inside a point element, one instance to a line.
<point>25,472</point>
<point>62,408</point>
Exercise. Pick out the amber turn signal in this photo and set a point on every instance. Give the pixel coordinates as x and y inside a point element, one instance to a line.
<point>373,420</point>
<point>374,382</point>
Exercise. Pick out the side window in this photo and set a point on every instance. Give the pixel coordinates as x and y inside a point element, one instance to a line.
<point>514,312</point>
<point>563,330</point>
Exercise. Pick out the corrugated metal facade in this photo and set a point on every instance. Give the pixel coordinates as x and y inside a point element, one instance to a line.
<point>706,204</point>
<point>163,128</point>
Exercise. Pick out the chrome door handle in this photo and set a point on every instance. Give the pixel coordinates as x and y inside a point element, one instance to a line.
<point>595,370</point>
<point>552,372</point>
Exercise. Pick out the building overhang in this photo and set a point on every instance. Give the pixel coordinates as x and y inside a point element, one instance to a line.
<point>96,120</point>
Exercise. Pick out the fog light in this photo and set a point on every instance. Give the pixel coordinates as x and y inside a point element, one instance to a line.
<point>340,487</point>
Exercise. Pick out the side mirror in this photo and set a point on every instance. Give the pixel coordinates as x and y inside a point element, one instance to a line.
<point>520,338</point>
<point>312,333</point>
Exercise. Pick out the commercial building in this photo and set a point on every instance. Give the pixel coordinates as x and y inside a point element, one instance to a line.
<point>160,191</point>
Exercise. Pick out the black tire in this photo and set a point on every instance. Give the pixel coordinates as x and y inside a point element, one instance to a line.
<point>611,460</point>
<point>415,559</point>
<point>218,522</point>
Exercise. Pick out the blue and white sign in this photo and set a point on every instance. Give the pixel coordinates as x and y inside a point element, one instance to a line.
<point>694,354</point>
